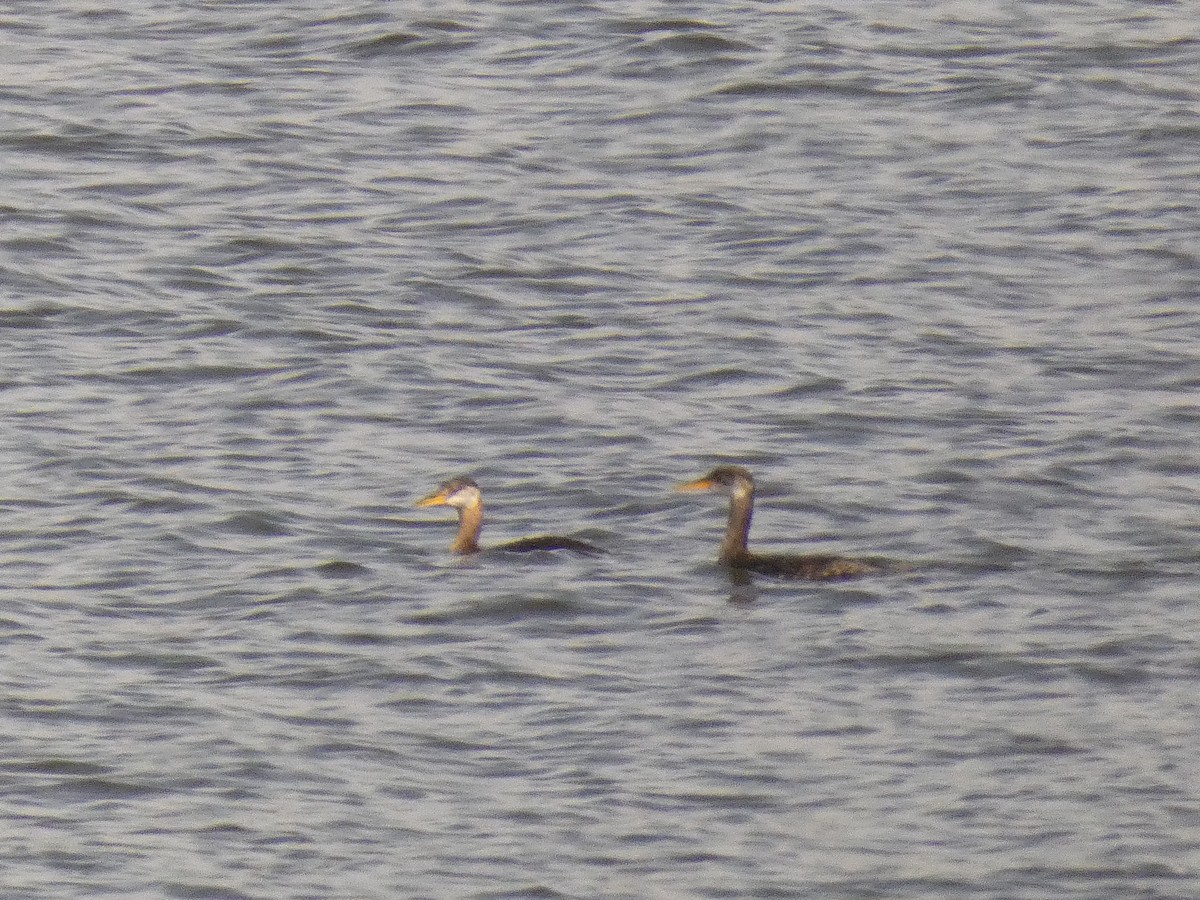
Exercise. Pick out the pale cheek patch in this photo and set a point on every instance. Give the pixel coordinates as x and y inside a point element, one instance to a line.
<point>465,499</point>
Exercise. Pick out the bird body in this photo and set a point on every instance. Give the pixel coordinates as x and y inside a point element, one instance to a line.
<point>464,495</point>
<point>738,485</point>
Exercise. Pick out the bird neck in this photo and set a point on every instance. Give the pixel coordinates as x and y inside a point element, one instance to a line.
<point>737,533</point>
<point>470,521</point>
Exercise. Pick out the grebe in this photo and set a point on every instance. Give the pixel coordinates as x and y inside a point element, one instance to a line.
<point>464,495</point>
<point>738,485</point>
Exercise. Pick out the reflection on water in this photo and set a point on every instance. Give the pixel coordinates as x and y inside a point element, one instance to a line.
<point>929,272</point>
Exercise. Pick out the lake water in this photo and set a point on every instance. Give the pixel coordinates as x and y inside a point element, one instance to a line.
<point>271,272</point>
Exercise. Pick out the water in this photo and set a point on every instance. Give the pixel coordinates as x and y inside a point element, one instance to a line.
<point>273,271</point>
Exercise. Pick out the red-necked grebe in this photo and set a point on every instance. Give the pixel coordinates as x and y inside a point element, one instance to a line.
<point>464,495</point>
<point>738,485</point>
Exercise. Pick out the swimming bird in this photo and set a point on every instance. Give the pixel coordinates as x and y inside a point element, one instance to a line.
<point>464,495</point>
<point>738,485</point>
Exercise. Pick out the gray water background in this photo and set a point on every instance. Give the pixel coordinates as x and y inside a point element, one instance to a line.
<point>271,271</point>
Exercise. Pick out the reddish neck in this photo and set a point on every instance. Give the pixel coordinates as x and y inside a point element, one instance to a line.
<point>470,521</point>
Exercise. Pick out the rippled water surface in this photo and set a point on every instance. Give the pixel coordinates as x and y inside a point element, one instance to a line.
<point>271,272</point>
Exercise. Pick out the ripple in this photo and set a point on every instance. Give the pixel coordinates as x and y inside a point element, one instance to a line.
<point>271,272</point>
